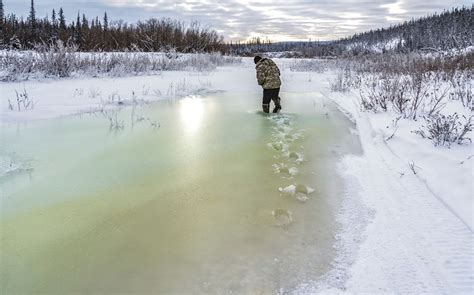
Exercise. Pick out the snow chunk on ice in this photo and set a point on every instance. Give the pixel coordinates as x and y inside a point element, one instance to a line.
<point>293,189</point>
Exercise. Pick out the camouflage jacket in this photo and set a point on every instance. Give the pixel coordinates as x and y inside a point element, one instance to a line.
<point>268,74</point>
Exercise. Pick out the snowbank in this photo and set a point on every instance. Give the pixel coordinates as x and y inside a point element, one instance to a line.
<point>418,202</point>
<point>446,172</point>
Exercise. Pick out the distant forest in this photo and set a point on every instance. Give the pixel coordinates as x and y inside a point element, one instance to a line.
<point>453,29</point>
<point>448,30</point>
<point>103,35</point>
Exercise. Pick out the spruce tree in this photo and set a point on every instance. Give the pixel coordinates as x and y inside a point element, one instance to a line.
<point>53,19</point>
<point>85,22</point>
<point>32,17</point>
<point>97,23</point>
<point>78,31</point>
<point>78,21</point>
<point>106,22</point>
<point>54,26</point>
<point>32,30</point>
<point>2,14</point>
<point>62,33</point>
<point>62,20</point>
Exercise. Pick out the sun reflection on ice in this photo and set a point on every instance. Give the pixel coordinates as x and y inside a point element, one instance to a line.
<point>192,113</point>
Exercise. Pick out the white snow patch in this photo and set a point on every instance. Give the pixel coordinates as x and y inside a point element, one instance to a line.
<point>418,237</point>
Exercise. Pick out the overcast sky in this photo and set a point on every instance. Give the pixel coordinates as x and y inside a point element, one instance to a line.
<point>241,19</point>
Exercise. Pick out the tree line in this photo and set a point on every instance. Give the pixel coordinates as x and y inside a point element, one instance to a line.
<point>100,34</point>
<point>452,29</point>
<point>448,30</point>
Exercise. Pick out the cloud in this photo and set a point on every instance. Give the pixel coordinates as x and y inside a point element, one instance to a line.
<point>241,19</point>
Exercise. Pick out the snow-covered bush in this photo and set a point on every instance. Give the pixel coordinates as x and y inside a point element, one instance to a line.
<point>444,130</point>
<point>407,95</point>
<point>425,93</point>
<point>461,84</point>
<point>183,88</point>
<point>23,102</point>
<point>437,97</point>
<point>309,65</point>
<point>405,64</point>
<point>399,97</point>
<point>417,88</point>
<point>59,60</point>
<point>411,84</point>
<point>56,60</point>
<point>378,93</point>
<point>343,81</point>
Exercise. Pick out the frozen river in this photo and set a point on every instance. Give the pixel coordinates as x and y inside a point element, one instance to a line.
<point>202,195</point>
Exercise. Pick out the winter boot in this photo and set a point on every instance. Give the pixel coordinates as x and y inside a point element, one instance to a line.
<point>277,105</point>
<point>266,108</point>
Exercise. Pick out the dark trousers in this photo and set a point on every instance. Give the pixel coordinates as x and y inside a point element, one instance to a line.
<point>271,95</point>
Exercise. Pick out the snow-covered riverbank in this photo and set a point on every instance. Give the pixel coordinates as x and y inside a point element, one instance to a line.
<point>406,225</point>
<point>419,237</point>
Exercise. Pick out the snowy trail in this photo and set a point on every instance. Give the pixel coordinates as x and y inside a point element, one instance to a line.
<point>413,243</point>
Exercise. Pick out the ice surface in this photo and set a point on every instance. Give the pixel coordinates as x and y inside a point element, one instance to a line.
<point>203,182</point>
<point>283,217</point>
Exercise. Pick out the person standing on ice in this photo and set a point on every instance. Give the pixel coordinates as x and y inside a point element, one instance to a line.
<point>268,76</point>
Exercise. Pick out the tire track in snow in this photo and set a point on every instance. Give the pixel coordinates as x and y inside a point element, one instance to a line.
<point>396,236</point>
<point>414,243</point>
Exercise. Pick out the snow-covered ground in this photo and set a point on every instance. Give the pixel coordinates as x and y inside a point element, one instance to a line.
<point>401,232</point>
<point>419,235</point>
<point>379,47</point>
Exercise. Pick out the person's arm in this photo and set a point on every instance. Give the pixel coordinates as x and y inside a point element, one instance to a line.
<point>278,69</point>
<point>260,75</point>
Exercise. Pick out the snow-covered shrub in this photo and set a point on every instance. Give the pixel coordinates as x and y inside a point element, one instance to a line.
<point>342,82</point>
<point>54,60</point>
<point>437,97</point>
<point>461,84</point>
<point>183,88</point>
<point>58,60</point>
<point>308,65</point>
<point>408,95</point>
<point>405,64</point>
<point>14,67</point>
<point>377,93</point>
<point>444,130</point>
<point>216,59</point>
<point>417,89</point>
<point>368,95</point>
<point>399,97</point>
<point>94,92</point>
<point>23,102</point>
<point>413,84</point>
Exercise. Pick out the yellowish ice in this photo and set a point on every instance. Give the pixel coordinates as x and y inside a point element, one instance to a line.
<point>181,200</point>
